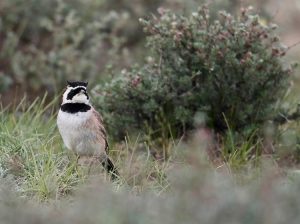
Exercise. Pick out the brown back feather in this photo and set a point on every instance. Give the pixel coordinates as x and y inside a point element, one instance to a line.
<point>101,128</point>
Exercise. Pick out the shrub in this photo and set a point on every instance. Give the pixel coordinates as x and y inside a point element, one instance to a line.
<point>230,69</point>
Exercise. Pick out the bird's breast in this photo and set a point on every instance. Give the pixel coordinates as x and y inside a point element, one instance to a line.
<point>71,126</point>
<point>79,134</point>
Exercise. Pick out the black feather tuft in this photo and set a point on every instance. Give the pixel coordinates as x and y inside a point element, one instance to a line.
<point>77,83</point>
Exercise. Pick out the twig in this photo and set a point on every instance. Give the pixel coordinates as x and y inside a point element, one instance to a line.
<point>283,118</point>
<point>293,45</point>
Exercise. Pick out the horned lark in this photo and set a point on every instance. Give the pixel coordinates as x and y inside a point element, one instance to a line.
<point>81,126</point>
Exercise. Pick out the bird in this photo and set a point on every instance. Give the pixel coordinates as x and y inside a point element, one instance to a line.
<point>81,126</point>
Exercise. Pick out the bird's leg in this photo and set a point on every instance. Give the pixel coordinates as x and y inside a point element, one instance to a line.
<point>86,162</point>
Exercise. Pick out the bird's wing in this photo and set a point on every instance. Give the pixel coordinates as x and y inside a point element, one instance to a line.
<point>101,128</point>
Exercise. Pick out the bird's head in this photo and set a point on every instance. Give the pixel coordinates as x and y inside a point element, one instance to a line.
<point>76,93</point>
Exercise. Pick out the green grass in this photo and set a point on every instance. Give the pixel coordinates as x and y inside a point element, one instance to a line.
<point>33,155</point>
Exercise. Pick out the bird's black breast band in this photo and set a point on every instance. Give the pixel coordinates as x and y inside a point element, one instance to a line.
<point>73,108</point>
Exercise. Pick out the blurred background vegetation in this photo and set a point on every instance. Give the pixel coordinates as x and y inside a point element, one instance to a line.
<point>41,41</point>
<point>191,105</point>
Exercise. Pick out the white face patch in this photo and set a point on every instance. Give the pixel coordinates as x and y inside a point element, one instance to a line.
<point>80,98</point>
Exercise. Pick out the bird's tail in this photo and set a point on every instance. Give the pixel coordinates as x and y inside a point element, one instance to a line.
<point>110,168</point>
